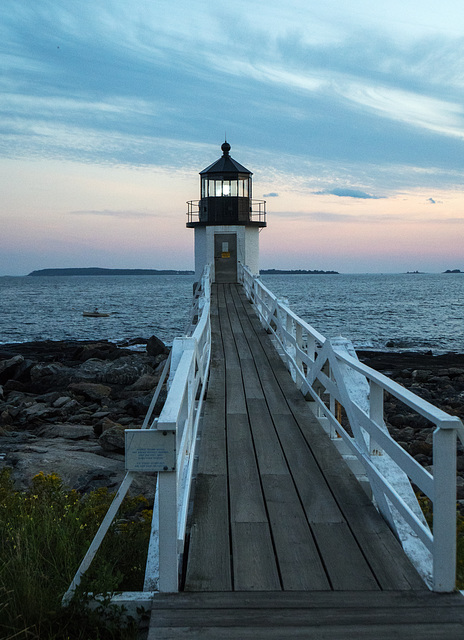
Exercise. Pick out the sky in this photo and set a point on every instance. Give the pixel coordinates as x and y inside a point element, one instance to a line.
<point>350,116</point>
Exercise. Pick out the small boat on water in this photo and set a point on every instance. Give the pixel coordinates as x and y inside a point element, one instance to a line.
<point>95,314</point>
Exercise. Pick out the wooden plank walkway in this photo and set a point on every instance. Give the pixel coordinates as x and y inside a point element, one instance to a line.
<point>277,511</point>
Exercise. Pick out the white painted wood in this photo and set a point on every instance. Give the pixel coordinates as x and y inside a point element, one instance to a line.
<point>444,509</point>
<point>98,539</point>
<point>189,366</point>
<point>360,391</point>
<point>151,581</point>
<point>168,556</point>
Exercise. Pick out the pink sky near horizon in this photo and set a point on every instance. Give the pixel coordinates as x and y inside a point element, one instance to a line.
<point>116,217</point>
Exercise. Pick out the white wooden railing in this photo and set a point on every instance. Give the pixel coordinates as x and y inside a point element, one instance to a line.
<point>180,414</point>
<point>329,373</point>
<point>165,444</point>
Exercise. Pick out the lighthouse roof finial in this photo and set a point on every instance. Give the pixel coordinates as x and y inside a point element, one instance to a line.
<point>225,147</point>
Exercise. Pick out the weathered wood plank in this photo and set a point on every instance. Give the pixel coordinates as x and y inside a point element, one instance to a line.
<point>245,493</point>
<point>298,559</point>
<point>254,562</point>
<point>344,561</point>
<point>252,383</point>
<point>208,567</point>
<point>307,600</point>
<point>313,502</point>
<point>383,552</point>
<point>212,457</point>
<point>405,632</point>
<point>312,618</point>
<point>271,459</point>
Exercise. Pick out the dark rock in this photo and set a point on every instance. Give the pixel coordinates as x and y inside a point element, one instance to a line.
<point>123,371</point>
<point>91,390</point>
<point>422,459</point>
<point>100,351</point>
<point>421,375</point>
<point>418,447</point>
<point>146,382</point>
<point>92,480</point>
<point>155,346</point>
<point>113,439</point>
<point>68,431</point>
<point>8,367</point>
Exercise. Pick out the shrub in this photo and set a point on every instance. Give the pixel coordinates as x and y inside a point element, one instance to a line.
<point>427,509</point>
<point>44,534</point>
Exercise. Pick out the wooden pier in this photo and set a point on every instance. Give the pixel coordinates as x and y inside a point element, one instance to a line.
<point>284,542</point>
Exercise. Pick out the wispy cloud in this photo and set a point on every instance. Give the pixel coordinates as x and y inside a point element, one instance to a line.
<point>337,218</point>
<point>116,214</point>
<point>348,193</point>
<point>271,195</point>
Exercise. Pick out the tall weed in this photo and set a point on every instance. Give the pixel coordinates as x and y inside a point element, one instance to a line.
<point>44,534</point>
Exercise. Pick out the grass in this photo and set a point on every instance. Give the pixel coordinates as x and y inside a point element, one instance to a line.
<point>427,509</point>
<point>44,534</point>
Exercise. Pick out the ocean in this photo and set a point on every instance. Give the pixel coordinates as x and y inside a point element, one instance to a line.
<point>415,312</point>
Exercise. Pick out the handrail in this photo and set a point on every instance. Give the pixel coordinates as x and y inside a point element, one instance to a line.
<point>329,371</point>
<point>188,367</point>
<point>181,413</point>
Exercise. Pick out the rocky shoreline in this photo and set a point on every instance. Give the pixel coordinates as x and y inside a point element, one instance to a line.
<point>64,406</point>
<point>439,380</point>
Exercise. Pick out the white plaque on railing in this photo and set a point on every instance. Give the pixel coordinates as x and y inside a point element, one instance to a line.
<point>150,450</point>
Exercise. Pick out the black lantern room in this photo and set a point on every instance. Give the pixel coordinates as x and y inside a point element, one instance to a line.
<point>226,196</point>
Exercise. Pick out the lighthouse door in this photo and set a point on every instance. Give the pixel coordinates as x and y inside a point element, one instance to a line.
<point>225,257</point>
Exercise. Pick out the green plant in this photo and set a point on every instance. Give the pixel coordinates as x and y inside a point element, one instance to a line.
<point>44,534</point>
<point>427,509</point>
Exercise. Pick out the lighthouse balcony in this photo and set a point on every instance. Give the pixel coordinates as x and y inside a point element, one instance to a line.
<point>201,213</point>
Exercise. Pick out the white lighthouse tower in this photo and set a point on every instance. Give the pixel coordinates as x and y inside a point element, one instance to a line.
<point>226,219</point>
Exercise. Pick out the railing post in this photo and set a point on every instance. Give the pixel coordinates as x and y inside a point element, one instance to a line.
<point>299,347</point>
<point>444,509</point>
<point>375,413</point>
<point>168,558</point>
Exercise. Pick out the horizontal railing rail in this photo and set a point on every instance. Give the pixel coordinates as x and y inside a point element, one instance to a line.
<point>349,401</point>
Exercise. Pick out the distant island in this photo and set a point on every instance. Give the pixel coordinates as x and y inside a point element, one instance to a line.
<point>97,271</point>
<point>453,271</point>
<point>304,272</point>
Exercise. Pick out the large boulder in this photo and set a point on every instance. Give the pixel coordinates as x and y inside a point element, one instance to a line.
<point>14,368</point>
<point>155,347</point>
<point>81,463</point>
<point>123,371</point>
<point>113,439</point>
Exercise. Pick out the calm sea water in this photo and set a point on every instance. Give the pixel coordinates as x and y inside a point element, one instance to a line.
<point>415,312</point>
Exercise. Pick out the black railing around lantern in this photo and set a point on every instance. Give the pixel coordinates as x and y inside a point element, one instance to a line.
<point>196,217</point>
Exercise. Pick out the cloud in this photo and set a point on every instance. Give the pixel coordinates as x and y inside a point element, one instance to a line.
<point>348,193</point>
<point>432,201</point>
<point>337,218</point>
<point>116,214</point>
<point>270,195</point>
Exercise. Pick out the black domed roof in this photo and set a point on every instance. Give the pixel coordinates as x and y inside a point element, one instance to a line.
<point>225,164</point>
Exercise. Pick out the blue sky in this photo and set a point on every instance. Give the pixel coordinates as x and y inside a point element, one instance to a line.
<point>349,115</point>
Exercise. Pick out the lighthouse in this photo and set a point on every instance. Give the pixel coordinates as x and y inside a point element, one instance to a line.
<point>226,219</point>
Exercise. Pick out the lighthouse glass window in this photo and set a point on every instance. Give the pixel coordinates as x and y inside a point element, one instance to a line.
<point>243,187</point>
<point>219,188</point>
